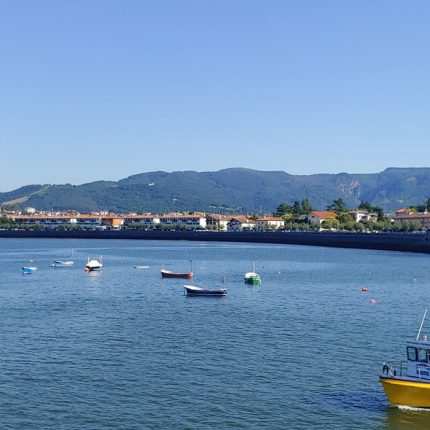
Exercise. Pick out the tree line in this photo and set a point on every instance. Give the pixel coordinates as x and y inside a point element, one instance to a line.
<point>295,217</point>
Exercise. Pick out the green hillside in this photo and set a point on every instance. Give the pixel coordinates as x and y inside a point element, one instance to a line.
<point>20,195</point>
<point>230,190</point>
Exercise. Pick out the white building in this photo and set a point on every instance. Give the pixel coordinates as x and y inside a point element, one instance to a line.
<point>191,222</point>
<point>47,221</point>
<point>89,221</point>
<point>217,222</point>
<point>241,222</point>
<point>363,216</point>
<point>270,223</point>
<point>148,220</point>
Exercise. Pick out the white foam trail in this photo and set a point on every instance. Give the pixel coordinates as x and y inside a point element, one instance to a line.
<point>411,408</point>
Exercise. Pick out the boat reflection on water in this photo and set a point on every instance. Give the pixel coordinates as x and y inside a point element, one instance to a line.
<point>94,274</point>
<point>405,418</point>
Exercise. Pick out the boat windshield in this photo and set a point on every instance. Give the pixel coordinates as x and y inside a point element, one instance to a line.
<point>418,354</point>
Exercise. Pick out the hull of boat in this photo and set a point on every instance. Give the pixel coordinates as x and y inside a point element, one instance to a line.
<point>253,281</point>
<point>167,274</point>
<point>28,270</point>
<point>212,293</point>
<point>407,393</point>
<point>93,269</point>
<point>62,264</point>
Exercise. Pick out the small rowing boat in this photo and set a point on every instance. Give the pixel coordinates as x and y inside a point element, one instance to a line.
<point>193,290</point>
<point>170,274</point>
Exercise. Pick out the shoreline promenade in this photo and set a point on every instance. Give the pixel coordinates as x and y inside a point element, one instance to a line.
<point>405,242</point>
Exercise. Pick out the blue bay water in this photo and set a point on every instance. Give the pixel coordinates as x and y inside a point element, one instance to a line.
<point>126,349</point>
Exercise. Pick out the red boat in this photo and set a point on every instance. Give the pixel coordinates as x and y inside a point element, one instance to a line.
<point>170,274</point>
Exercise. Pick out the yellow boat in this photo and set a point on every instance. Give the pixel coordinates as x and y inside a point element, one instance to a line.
<point>409,383</point>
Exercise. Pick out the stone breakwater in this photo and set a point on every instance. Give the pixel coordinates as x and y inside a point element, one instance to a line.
<point>406,242</point>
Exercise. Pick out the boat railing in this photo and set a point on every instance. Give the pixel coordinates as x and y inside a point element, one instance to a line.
<point>392,369</point>
<point>423,371</point>
<point>403,368</point>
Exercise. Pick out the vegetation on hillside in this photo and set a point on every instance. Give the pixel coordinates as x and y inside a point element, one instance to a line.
<point>232,191</point>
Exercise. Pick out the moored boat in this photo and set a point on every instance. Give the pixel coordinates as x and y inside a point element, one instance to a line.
<point>408,384</point>
<point>26,270</point>
<point>169,274</point>
<point>61,263</point>
<point>183,275</point>
<point>252,278</point>
<point>94,265</point>
<point>64,263</point>
<point>193,290</point>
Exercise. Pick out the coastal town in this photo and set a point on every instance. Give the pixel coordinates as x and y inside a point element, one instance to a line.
<point>404,219</point>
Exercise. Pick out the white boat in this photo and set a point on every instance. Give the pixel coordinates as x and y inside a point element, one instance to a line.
<point>28,269</point>
<point>94,265</point>
<point>141,267</point>
<point>63,263</point>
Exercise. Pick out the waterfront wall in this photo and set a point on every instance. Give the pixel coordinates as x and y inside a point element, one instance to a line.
<point>418,242</point>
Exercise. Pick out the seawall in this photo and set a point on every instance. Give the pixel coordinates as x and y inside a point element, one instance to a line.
<point>406,242</point>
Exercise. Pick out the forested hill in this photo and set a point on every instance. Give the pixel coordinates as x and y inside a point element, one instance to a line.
<point>227,191</point>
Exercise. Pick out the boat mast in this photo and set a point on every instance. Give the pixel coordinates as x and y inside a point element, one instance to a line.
<point>421,326</point>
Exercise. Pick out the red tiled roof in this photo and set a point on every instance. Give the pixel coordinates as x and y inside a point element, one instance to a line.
<point>181,216</point>
<point>404,211</point>
<point>140,216</point>
<point>43,216</point>
<point>324,214</point>
<point>219,217</point>
<point>242,219</point>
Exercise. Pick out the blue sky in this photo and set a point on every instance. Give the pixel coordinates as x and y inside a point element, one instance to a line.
<point>105,89</point>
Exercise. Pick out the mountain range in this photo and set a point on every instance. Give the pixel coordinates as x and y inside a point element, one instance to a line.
<point>233,190</point>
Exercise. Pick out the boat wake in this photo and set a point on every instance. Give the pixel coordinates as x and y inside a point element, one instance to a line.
<point>411,408</point>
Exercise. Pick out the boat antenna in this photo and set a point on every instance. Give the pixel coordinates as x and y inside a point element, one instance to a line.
<point>422,323</point>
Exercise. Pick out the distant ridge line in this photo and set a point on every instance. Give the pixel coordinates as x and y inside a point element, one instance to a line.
<point>239,190</point>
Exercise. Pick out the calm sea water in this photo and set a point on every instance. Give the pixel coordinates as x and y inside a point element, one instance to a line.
<point>125,349</point>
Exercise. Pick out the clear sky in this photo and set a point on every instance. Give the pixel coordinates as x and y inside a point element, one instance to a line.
<point>101,89</point>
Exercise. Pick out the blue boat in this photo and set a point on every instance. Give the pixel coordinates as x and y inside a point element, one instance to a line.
<point>192,290</point>
<point>26,270</point>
